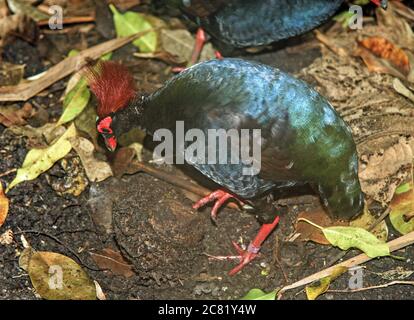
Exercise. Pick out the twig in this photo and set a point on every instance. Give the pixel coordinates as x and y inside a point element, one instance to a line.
<point>174,180</point>
<point>394,245</point>
<point>7,172</point>
<point>36,232</point>
<point>27,90</point>
<point>68,20</point>
<point>411,283</point>
<point>330,45</point>
<point>380,219</point>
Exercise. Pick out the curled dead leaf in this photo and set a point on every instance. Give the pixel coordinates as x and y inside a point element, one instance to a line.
<point>385,49</point>
<point>14,115</point>
<point>113,261</point>
<point>387,163</point>
<point>96,170</point>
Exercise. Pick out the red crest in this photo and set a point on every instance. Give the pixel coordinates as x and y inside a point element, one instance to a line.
<point>113,86</point>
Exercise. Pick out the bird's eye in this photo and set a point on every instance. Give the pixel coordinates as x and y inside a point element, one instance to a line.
<point>187,3</point>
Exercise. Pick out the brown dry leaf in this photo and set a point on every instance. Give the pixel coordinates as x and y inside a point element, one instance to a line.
<point>180,43</point>
<point>123,159</point>
<point>386,164</point>
<point>7,237</point>
<point>375,64</point>
<point>398,29</point>
<point>96,170</point>
<point>4,205</point>
<point>18,24</point>
<point>113,261</point>
<point>10,74</point>
<point>320,217</point>
<point>14,115</point>
<point>387,50</point>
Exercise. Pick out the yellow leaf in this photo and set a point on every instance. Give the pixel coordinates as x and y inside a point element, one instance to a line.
<point>57,277</point>
<point>38,161</point>
<point>402,209</point>
<point>314,291</point>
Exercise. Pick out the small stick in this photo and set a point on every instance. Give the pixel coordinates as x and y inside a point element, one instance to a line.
<point>7,172</point>
<point>394,245</point>
<point>174,180</point>
<point>68,20</point>
<point>27,90</point>
<point>411,283</point>
<point>330,45</point>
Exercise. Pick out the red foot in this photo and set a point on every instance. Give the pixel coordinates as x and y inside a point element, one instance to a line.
<point>199,45</point>
<point>220,197</point>
<point>245,256</point>
<point>200,41</point>
<point>177,69</point>
<point>218,55</point>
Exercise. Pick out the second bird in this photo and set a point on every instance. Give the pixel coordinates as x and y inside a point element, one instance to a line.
<point>245,23</point>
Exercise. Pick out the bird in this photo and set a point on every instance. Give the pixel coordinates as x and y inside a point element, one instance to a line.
<point>302,140</point>
<point>247,23</point>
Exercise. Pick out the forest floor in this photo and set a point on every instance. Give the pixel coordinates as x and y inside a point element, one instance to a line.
<point>137,235</point>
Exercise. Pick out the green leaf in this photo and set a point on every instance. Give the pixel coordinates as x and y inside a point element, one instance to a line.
<point>354,237</point>
<point>86,122</point>
<point>344,18</point>
<point>38,161</point>
<point>257,294</point>
<point>132,22</point>
<point>75,102</point>
<point>403,188</point>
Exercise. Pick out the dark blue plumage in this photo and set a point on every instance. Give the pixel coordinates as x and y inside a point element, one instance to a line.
<point>243,23</point>
<point>304,140</point>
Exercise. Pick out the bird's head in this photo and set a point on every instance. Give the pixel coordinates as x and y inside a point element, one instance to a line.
<point>381,3</point>
<point>114,87</point>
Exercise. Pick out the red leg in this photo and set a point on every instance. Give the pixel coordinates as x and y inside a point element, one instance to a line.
<point>245,256</point>
<point>200,41</point>
<point>218,55</point>
<point>220,197</point>
<point>199,45</point>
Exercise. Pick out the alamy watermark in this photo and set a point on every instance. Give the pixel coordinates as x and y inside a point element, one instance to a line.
<point>216,146</point>
<point>56,19</point>
<point>56,277</point>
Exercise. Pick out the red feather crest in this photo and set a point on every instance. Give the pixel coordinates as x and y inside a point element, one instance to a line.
<point>113,86</point>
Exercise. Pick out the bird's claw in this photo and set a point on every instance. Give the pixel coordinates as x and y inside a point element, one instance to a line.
<point>220,197</point>
<point>244,257</point>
